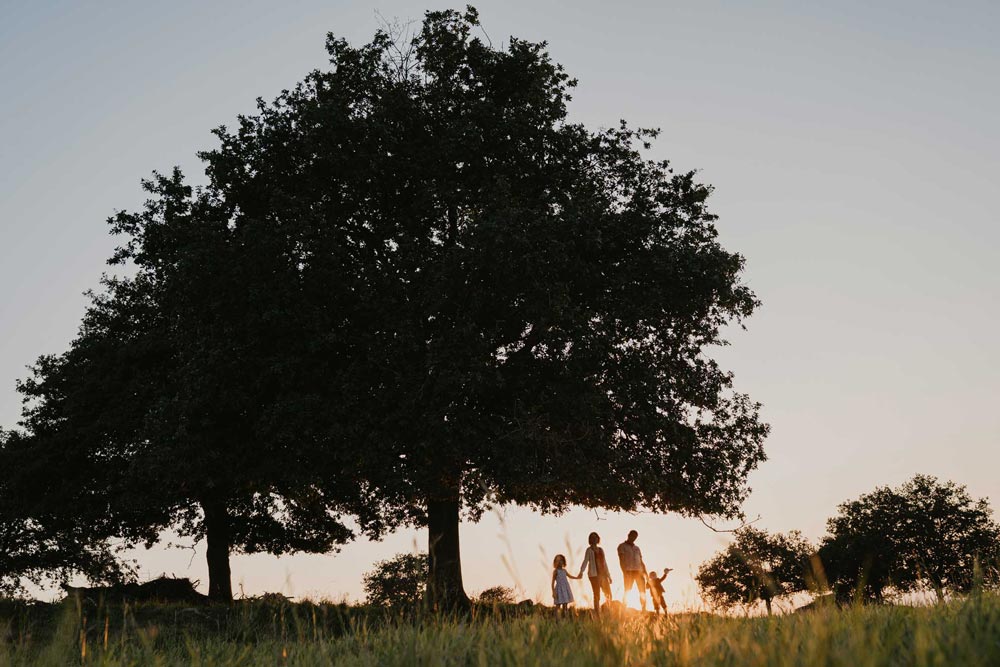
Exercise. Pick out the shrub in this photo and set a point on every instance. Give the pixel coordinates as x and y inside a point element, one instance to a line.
<point>497,595</point>
<point>399,581</point>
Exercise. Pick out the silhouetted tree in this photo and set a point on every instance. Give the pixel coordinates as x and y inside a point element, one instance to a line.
<point>399,581</point>
<point>43,549</point>
<point>510,308</point>
<point>184,402</point>
<point>924,534</point>
<point>757,566</point>
<point>497,595</point>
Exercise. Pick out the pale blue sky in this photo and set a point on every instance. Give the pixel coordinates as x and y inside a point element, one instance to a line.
<point>856,157</point>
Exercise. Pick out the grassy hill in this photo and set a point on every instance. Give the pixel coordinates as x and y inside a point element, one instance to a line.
<point>274,632</point>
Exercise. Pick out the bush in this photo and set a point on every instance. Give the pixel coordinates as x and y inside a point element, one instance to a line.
<point>399,581</point>
<point>497,595</point>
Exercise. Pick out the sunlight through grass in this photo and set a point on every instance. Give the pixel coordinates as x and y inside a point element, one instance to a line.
<point>958,633</point>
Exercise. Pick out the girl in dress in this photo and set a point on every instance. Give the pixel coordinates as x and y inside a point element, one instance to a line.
<point>562,594</point>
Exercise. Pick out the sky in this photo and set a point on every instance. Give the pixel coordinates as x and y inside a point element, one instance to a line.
<point>856,159</point>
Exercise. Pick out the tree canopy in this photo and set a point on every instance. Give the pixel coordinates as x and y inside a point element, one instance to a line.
<point>922,535</point>
<point>757,566</point>
<point>412,288</point>
<point>516,309</point>
<point>163,412</point>
<point>40,547</point>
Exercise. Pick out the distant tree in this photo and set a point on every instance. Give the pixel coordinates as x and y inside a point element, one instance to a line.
<point>497,595</point>
<point>399,581</point>
<point>757,567</point>
<point>922,535</point>
<point>186,401</point>
<point>500,296</point>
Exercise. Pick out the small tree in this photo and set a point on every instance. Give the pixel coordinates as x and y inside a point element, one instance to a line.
<point>757,566</point>
<point>399,581</point>
<point>922,535</point>
<point>497,595</point>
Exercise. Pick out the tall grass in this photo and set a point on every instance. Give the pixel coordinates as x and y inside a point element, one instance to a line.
<point>964,632</point>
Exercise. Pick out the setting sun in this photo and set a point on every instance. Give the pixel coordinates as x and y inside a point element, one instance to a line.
<point>632,599</point>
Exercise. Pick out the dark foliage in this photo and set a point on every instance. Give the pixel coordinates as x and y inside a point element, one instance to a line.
<point>498,294</point>
<point>757,566</point>
<point>164,411</point>
<point>411,289</point>
<point>497,595</point>
<point>39,543</point>
<point>922,535</point>
<point>163,589</point>
<point>398,582</point>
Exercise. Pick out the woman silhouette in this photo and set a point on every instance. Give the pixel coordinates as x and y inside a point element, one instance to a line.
<point>597,570</point>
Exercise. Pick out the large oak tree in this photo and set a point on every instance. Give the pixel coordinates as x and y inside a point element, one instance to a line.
<point>185,402</point>
<point>507,306</point>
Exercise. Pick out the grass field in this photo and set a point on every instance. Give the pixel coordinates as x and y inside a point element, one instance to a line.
<point>965,632</point>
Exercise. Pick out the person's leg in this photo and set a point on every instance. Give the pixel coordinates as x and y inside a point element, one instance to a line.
<point>606,587</point>
<point>626,585</point>
<point>595,584</point>
<point>640,581</point>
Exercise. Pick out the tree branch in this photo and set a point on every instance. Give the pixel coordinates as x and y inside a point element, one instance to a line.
<point>701,518</point>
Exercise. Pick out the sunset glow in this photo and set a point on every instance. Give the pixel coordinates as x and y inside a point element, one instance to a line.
<point>872,352</point>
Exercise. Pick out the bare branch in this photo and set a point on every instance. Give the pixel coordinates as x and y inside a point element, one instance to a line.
<point>727,530</point>
<point>486,35</point>
<point>187,547</point>
<point>402,44</point>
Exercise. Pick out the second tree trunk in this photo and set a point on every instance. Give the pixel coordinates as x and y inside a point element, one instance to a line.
<point>220,587</point>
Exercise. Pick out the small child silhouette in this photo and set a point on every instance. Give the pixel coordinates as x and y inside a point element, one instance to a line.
<point>562,594</point>
<point>656,590</point>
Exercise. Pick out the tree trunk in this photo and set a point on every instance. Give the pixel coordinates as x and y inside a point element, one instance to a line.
<point>767,603</point>
<point>938,589</point>
<point>445,591</point>
<point>220,587</point>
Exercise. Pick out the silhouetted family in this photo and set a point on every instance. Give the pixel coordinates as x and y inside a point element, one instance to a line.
<point>596,566</point>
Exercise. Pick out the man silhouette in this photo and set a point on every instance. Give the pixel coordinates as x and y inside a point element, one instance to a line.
<point>633,569</point>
